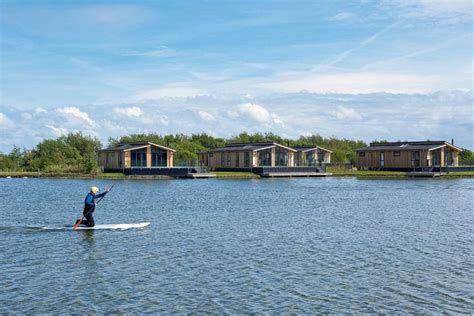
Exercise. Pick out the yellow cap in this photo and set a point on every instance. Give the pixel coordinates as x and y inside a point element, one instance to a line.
<point>94,189</point>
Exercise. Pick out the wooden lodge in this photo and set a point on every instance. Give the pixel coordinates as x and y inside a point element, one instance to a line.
<point>312,155</point>
<point>136,155</point>
<point>266,158</point>
<point>408,156</point>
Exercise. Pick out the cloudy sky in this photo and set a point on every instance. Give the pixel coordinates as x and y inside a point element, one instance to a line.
<point>362,69</point>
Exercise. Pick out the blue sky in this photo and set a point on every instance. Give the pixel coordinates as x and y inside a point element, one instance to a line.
<point>395,70</point>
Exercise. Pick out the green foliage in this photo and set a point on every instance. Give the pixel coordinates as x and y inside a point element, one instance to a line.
<point>187,147</point>
<point>466,157</point>
<point>76,153</point>
<point>70,153</point>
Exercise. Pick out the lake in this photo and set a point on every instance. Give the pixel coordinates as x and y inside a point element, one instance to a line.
<point>312,245</point>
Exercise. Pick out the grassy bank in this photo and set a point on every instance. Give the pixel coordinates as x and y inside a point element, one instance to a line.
<point>34,174</point>
<point>235,175</point>
<point>461,174</point>
<point>337,172</point>
<point>359,173</point>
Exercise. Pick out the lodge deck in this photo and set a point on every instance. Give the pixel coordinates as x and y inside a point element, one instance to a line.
<point>200,175</point>
<point>294,174</point>
<point>420,174</point>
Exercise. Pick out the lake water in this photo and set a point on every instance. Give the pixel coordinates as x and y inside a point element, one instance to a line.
<point>240,246</point>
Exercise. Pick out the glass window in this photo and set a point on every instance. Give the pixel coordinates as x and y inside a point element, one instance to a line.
<point>396,153</point>
<point>247,159</point>
<point>310,161</point>
<point>139,158</point>
<point>281,157</point>
<point>237,157</point>
<point>321,155</point>
<point>361,153</point>
<point>159,157</point>
<point>265,158</point>
<point>415,158</point>
<point>448,157</point>
<point>382,159</point>
<point>222,159</point>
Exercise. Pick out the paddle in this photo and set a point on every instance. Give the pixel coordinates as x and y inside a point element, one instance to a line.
<point>76,225</point>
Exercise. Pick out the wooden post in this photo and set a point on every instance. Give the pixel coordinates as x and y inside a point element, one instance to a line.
<point>272,157</point>
<point>170,159</point>
<point>148,156</point>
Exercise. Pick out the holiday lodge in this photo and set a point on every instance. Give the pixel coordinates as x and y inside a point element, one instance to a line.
<point>408,156</point>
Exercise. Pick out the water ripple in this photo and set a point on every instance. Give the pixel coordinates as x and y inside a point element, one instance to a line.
<point>290,246</point>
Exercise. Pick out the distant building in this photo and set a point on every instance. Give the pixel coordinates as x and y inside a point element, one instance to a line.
<point>312,155</point>
<point>265,154</point>
<point>135,155</point>
<point>408,156</point>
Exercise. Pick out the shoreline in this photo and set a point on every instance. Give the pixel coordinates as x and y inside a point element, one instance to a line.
<point>222,175</point>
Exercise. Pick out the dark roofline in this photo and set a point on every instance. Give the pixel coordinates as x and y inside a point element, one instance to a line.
<point>250,144</point>
<point>137,144</point>
<point>427,142</point>
<point>413,143</point>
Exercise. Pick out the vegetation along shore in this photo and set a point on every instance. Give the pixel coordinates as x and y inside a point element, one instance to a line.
<point>74,155</point>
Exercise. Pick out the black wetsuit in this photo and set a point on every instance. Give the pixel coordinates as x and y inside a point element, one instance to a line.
<point>89,207</point>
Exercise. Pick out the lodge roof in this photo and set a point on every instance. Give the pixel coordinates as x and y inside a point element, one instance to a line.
<point>309,148</point>
<point>134,146</point>
<point>408,145</point>
<point>249,147</point>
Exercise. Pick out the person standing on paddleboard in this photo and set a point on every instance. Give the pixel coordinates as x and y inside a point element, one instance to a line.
<point>89,206</point>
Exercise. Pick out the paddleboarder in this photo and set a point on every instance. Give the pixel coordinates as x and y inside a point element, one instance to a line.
<point>89,206</point>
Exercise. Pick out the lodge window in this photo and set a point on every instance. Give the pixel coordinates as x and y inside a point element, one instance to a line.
<point>396,153</point>
<point>321,155</point>
<point>265,158</point>
<point>310,161</point>
<point>222,159</point>
<point>158,158</point>
<point>237,162</point>
<point>138,158</point>
<point>382,159</point>
<point>228,159</point>
<point>361,153</point>
<point>415,158</point>
<point>281,157</point>
<point>120,160</point>
<point>247,159</point>
<point>448,158</point>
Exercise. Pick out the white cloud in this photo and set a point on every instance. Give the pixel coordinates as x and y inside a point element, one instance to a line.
<point>130,111</point>
<point>206,116</point>
<point>442,115</point>
<point>161,52</point>
<point>57,131</point>
<point>40,110</point>
<point>433,8</point>
<point>167,92</point>
<point>344,113</point>
<point>358,82</point>
<point>341,16</point>
<point>76,113</point>
<point>255,112</point>
<point>26,116</point>
<point>5,122</point>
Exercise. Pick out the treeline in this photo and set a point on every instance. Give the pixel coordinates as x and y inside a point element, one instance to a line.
<point>187,147</point>
<point>72,153</point>
<point>76,153</point>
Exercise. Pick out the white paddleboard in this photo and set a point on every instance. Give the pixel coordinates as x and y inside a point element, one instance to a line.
<point>100,226</point>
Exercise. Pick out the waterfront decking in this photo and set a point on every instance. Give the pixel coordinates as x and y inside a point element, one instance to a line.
<point>294,174</point>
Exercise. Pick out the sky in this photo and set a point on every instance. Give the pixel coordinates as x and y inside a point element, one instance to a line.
<point>361,69</point>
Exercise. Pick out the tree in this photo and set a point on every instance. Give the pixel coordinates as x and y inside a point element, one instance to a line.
<point>466,157</point>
